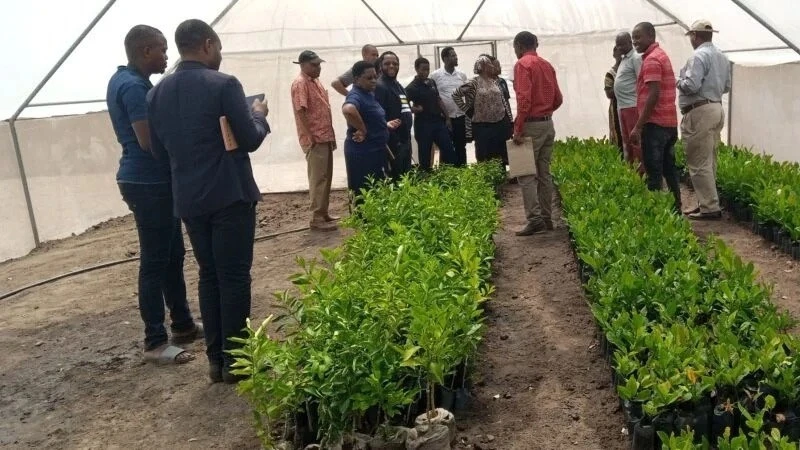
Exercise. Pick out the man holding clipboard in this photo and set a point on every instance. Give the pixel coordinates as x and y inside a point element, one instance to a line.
<point>201,122</point>
<point>538,96</point>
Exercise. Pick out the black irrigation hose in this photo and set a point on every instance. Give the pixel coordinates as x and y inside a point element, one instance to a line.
<point>123,261</point>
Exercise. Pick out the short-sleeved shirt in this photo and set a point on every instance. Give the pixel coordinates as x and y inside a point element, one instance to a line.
<point>347,78</point>
<point>424,93</point>
<point>374,118</point>
<point>126,99</point>
<point>447,83</point>
<point>657,67</point>
<point>309,94</point>
<point>625,80</point>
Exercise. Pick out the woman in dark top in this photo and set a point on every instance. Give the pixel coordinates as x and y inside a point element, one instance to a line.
<point>392,97</point>
<point>367,130</point>
<point>488,110</point>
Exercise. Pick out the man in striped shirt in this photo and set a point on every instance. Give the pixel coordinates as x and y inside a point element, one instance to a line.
<point>657,127</point>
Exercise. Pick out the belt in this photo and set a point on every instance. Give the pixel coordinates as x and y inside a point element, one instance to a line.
<point>538,119</point>
<point>686,109</point>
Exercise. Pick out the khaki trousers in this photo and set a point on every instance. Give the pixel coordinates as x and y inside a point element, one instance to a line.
<point>537,189</point>
<point>320,172</point>
<point>700,129</point>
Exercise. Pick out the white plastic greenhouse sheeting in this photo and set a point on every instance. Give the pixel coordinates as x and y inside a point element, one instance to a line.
<point>765,113</point>
<point>71,161</point>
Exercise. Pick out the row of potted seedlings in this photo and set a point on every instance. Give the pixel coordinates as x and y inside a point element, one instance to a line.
<point>699,354</point>
<point>378,334</point>
<point>761,192</point>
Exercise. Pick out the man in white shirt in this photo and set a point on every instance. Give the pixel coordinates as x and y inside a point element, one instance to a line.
<point>448,79</point>
<point>625,92</point>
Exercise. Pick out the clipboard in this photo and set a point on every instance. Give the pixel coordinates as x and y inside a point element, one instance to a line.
<point>521,159</point>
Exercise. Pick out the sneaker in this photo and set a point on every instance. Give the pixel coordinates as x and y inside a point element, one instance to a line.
<point>331,218</point>
<point>692,211</point>
<point>548,223</point>
<point>532,228</point>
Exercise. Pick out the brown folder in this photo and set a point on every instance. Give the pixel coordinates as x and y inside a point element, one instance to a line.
<point>227,135</point>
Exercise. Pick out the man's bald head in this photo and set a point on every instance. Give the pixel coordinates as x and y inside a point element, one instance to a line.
<point>369,53</point>
<point>623,42</point>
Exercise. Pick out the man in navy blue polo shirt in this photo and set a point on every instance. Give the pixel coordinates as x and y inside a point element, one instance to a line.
<point>144,183</point>
<point>214,189</point>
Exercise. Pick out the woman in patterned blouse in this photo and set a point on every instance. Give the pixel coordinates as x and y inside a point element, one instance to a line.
<point>483,101</point>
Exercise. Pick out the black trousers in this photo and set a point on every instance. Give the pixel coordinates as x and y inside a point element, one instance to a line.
<point>658,153</point>
<point>223,246</point>
<point>458,135</point>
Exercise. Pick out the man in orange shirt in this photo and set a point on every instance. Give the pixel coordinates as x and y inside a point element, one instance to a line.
<point>538,95</point>
<point>312,115</point>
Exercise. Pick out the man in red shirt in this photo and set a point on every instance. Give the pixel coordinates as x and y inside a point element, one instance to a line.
<point>538,96</point>
<point>312,114</point>
<point>657,127</point>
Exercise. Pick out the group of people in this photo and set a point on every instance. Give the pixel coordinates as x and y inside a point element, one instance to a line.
<point>447,109</point>
<point>185,159</point>
<point>443,108</point>
<point>186,145</point>
<point>643,119</point>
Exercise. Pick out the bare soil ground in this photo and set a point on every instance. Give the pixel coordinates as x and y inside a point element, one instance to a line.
<point>71,374</point>
<point>539,354</point>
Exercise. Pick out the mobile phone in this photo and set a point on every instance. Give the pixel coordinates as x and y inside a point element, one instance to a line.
<point>250,99</point>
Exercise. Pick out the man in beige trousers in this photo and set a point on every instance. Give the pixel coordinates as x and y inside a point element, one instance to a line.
<point>706,76</point>
<point>538,96</point>
<point>312,115</point>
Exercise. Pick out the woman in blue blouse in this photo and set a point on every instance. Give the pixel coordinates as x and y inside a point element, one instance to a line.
<point>365,151</point>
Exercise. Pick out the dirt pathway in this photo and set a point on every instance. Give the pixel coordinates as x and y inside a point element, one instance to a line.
<point>774,266</point>
<point>538,353</point>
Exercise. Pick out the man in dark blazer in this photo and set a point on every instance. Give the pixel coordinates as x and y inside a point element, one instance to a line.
<point>213,186</point>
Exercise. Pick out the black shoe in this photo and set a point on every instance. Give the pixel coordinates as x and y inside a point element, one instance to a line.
<point>532,228</point>
<point>706,215</point>
<point>230,378</point>
<point>549,225</point>
<point>219,375</point>
<point>215,373</point>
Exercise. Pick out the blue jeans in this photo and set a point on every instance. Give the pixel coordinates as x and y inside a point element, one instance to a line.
<point>161,254</point>
<point>658,153</point>
<point>428,131</point>
<point>223,246</point>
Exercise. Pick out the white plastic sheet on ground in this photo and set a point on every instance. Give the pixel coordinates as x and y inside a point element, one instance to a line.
<point>71,161</point>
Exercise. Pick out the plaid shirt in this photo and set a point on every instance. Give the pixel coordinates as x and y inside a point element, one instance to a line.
<point>536,87</point>
<point>309,94</point>
<point>657,67</point>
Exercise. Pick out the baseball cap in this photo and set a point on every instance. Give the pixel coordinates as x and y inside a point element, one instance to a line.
<point>702,25</point>
<point>308,56</point>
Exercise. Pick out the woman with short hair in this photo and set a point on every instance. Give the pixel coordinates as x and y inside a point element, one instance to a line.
<point>365,151</point>
<point>483,101</point>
